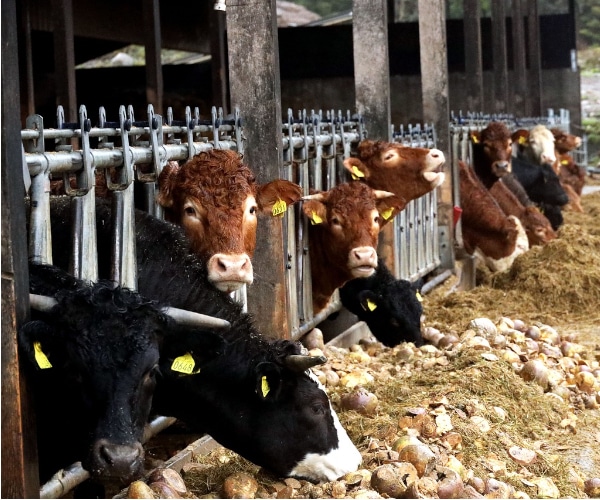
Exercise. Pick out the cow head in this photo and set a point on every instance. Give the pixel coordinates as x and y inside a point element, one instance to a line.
<point>536,145</point>
<point>344,226</point>
<point>95,358</point>
<point>537,226</point>
<point>391,307</point>
<point>495,143</point>
<point>405,171</point>
<point>216,199</point>
<point>565,142</point>
<point>266,405</point>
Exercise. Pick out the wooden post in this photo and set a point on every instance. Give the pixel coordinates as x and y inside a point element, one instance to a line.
<point>499,56</point>
<point>473,61</point>
<point>64,58</point>
<point>372,88</point>
<point>219,60</point>
<point>255,89</point>
<point>19,452</point>
<point>434,83</point>
<point>534,87</point>
<point>519,103</point>
<point>153,43</point>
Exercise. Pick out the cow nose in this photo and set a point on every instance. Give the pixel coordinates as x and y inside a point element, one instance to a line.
<point>502,166</point>
<point>234,265</point>
<point>364,256</point>
<point>547,158</point>
<point>435,158</point>
<point>117,460</point>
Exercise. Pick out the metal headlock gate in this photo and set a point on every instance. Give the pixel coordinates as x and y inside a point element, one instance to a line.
<point>131,151</point>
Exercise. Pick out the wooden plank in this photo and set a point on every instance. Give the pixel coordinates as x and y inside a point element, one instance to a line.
<point>473,61</point>
<point>218,52</point>
<point>499,56</point>
<point>256,90</point>
<point>434,84</point>
<point>519,103</point>
<point>19,452</point>
<point>152,43</point>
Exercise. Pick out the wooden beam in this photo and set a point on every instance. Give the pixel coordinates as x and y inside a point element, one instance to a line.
<point>473,60</point>
<point>434,84</point>
<point>499,56</point>
<point>64,58</point>
<point>256,90</point>
<point>152,43</point>
<point>218,52</point>
<point>19,452</point>
<point>519,103</point>
<point>534,86</point>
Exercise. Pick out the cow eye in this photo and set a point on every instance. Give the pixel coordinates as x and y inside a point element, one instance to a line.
<point>190,211</point>
<point>253,209</point>
<point>335,221</point>
<point>376,219</point>
<point>318,409</point>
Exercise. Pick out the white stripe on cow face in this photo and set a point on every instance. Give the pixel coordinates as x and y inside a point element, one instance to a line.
<point>334,464</point>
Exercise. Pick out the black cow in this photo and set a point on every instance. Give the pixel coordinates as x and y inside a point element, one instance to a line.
<point>389,306</point>
<point>540,182</point>
<point>257,399</point>
<point>554,214</point>
<point>93,358</point>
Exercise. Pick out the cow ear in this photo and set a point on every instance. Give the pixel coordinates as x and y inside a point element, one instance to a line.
<point>368,300</point>
<point>268,381</point>
<point>274,197</point>
<point>358,170</point>
<point>37,342</point>
<point>167,182</point>
<point>315,211</point>
<point>389,207</point>
<point>186,349</point>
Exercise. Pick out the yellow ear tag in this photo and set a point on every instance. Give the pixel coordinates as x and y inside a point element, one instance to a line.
<point>386,214</point>
<point>564,162</point>
<point>279,208</point>
<point>184,364</point>
<point>371,305</point>
<point>419,297</point>
<point>356,173</point>
<point>315,219</point>
<point>264,386</point>
<point>41,359</point>
<point>522,140</point>
<point>475,139</point>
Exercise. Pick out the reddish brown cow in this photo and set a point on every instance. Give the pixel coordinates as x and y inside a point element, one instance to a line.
<point>216,199</point>
<point>492,152</point>
<point>572,179</point>
<point>405,171</point>
<point>565,142</point>
<point>492,149</point>
<point>537,227</point>
<point>345,224</point>
<point>487,232</point>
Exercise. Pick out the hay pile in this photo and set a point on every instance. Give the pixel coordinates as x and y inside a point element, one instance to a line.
<point>470,404</point>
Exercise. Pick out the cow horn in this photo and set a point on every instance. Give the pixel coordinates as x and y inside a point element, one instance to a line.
<point>181,316</point>
<point>190,318</point>
<point>41,302</point>
<point>317,196</point>
<point>382,194</point>
<point>301,363</point>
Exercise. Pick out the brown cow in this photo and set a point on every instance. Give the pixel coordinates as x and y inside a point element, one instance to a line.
<point>487,232</point>
<point>216,199</point>
<point>572,179</point>
<point>405,171</point>
<point>565,142</point>
<point>345,224</point>
<point>492,150</point>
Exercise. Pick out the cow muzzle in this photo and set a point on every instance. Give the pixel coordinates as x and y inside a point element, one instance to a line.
<point>362,262</point>
<point>230,272</point>
<point>112,461</point>
<point>500,168</point>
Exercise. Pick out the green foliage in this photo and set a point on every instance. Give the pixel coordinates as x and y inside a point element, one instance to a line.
<point>589,22</point>
<point>591,127</point>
